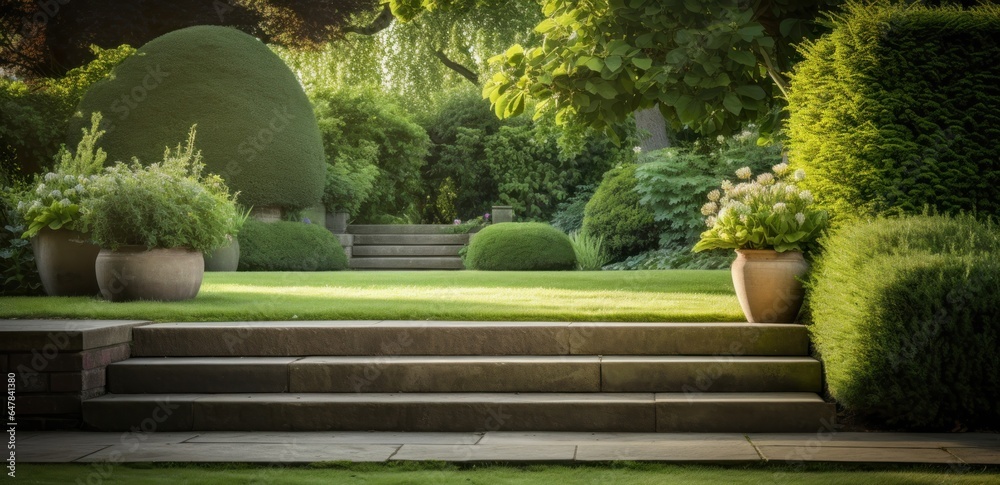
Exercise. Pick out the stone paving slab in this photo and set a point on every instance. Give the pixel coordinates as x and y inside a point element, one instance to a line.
<point>879,440</point>
<point>64,335</point>
<point>341,437</point>
<point>827,453</point>
<point>521,452</point>
<point>737,450</point>
<point>308,447</point>
<point>244,453</point>
<point>562,437</point>
<point>977,456</point>
<point>79,438</point>
<point>56,453</point>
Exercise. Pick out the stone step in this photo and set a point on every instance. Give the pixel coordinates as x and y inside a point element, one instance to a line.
<point>465,374</point>
<point>595,412</point>
<point>398,251</point>
<point>410,239</point>
<point>405,263</point>
<point>373,338</point>
<point>400,229</point>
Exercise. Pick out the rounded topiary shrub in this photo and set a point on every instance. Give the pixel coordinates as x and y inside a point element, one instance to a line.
<point>289,246</point>
<point>256,127</point>
<point>520,246</point>
<point>615,214</point>
<point>905,315</point>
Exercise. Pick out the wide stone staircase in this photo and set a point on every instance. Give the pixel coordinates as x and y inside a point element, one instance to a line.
<point>406,247</point>
<point>465,376</point>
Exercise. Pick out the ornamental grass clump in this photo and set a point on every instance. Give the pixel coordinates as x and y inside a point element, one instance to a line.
<point>766,212</point>
<point>590,254</point>
<point>165,205</point>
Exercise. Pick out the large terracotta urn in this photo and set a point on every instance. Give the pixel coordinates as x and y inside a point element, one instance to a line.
<point>767,284</point>
<point>65,262</point>
<point>136,273</point>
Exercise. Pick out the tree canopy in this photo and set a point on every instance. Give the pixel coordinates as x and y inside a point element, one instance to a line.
<point>49,37</point>
<point>710,66</point>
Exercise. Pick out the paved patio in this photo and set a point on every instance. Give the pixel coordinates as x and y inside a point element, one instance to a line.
<point>958,450</point>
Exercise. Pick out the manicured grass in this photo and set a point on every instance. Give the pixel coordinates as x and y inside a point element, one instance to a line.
<point>420,473</point>
<point>679,296</point>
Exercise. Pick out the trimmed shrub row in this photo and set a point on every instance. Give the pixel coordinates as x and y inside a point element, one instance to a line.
<point>906,317</point>
<point>289,246</point>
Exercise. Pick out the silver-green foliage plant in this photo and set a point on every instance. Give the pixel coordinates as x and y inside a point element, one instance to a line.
<point>170,204</point>
<point>769,212</point>
<point>56,200</point>
<point>589,249</point>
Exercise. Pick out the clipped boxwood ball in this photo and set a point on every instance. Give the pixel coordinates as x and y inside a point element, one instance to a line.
<point>256,127</point>
<point>520,246</point>
<point>289,246</point>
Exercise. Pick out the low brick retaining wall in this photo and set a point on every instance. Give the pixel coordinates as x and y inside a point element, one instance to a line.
<point>57,364</point>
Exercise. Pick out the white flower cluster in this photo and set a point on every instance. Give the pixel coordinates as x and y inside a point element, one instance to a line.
<point>771,203</point>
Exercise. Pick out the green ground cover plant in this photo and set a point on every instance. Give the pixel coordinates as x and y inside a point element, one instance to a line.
<point>442,473</point>
<point>289,246</point>
<point>520,246</point>
<point>904,314</point>
<point>656,296</point>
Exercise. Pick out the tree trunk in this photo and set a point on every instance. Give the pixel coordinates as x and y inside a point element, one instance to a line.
<point>652,128</point>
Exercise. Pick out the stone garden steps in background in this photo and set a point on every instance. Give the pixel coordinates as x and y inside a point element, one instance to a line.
<point>406,247</point>
<point>466,376</point>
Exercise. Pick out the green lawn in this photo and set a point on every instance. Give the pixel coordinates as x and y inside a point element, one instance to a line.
<point>434,473</point>
<point>680,296</point>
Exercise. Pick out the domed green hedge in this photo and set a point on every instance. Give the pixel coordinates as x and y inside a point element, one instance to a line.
<point>289,246</point>
<point>521,246</point>
<point>256,127</point>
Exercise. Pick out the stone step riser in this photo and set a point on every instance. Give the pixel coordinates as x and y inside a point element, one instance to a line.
<point>290,339</point>
<point>461,412</point>
<point>410,239</point>
<point>367,229</point>
<point>450,375</point>
<point>406,251</point>
<point>406,263</point>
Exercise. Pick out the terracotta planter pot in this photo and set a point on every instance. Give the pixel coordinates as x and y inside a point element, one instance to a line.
<point>767,285</point>
<point>135,273</point>
<point>226,258</point>
<point>65,262</point>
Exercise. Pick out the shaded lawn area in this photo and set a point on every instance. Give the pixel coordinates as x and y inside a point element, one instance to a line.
<point>626,296</point>
<point>438,473</point>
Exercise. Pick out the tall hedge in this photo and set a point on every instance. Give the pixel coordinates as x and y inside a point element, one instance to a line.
<point>256,127</point>
<point>616,215</point>
<point>905,315</point>
<point>898,108</point>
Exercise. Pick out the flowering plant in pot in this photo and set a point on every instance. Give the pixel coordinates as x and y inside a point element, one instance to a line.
<point>769,221</point>
<point>154,223</point>
<point>52,214</point>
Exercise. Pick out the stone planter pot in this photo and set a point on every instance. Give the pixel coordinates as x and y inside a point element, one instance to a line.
<point>767,284</point>
<point>226,258</point>
<point>135,273</point>
<point>337,222</point>
<point>65,261</point>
